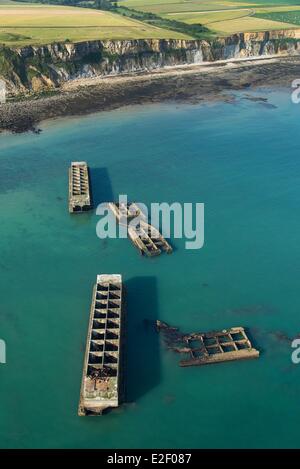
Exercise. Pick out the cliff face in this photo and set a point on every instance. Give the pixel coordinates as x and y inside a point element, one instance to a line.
<point>40,68</point>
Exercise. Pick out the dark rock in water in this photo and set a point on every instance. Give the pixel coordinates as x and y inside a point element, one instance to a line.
<point>278,336</point>
<point>260,100</point>
<point>255,99</point>
<point>205,285</point>
<point>268,105</point>
<point>281,336</point>
<point>161,325</point>
<point>171,335</point>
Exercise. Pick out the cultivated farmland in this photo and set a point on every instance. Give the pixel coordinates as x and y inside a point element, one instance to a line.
<point>207,18</point>
<point>225,17</point>
<point>176,6</point>
<point>25,23</point>
<point>22,24</point>
<point>292,16</point>
<point>250,23</point>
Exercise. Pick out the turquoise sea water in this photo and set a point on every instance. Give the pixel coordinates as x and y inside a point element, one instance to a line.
<point>242,161</point>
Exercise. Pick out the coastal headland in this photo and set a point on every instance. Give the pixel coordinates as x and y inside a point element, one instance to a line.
<point>58,60</point>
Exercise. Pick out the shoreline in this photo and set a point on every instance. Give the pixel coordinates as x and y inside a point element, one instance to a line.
<point>184,83</point>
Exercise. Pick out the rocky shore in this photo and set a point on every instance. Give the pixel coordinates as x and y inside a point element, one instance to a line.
<point>193,83</point>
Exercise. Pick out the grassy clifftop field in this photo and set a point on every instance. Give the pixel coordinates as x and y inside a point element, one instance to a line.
<point>225,17</point>
<point>22,24</point>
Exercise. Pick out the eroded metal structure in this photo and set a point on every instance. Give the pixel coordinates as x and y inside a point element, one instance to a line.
<point>101,386</point>
<point>211,347</point>
<point>148,240</point>
<point>79,187</point>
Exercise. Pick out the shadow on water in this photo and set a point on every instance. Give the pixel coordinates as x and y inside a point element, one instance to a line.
<point>253,336</point>
<point>101,187</point>
<point>141,339</point>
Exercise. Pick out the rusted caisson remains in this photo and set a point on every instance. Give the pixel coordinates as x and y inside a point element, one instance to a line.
<point>102,386</point>
<point>210,347</point>
<point>79,187</point>
<point>149,241</point>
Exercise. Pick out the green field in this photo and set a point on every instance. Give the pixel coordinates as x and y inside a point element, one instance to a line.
<point>22,24</point>
<point>292,16</point>
<point>168,6</point>
<point>225,17</point>
<point>207,18</point>
<point>232,21</point>
<point>247,24</point>
<point>25,23</point>
<point>177,6</point>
